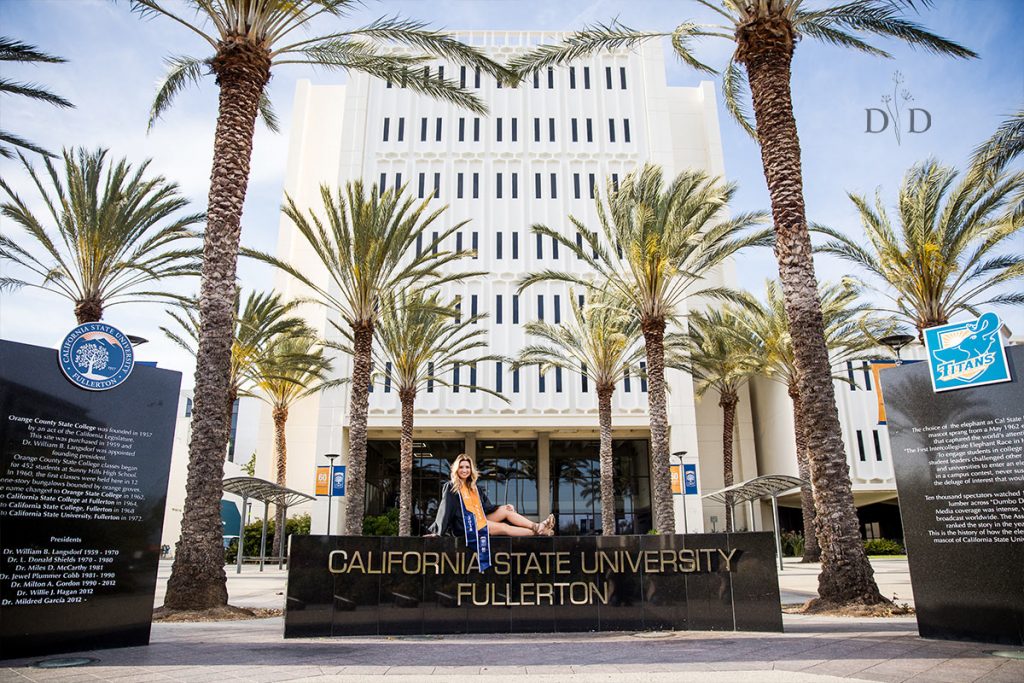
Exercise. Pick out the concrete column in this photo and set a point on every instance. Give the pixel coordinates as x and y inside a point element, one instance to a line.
<point>470,444</point>
<point>543,474</point>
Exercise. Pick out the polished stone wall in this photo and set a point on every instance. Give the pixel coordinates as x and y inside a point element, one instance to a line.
<point>392,586</point>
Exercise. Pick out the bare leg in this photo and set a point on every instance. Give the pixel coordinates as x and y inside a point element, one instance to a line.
<point>511,517</point>
<point>502,529</point>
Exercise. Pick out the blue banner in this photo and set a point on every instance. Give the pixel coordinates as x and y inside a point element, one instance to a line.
<point>478,540</point>
<point>338,481</point>
<point>689,479</point>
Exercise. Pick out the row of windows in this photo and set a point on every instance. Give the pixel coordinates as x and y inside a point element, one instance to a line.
<point>472,79</point>
<point>470,378</point>
<point>576,131</point>
<point>499,245</point>
<point>865,368</point>
<point>472,188</point>
<point>860,446</point>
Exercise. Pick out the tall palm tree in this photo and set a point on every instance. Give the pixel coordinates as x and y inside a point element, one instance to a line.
<point>1006,144</point>
<point>292,367</point>
<point>424,342</point>
<point>109,231</point>
<point>851,333</point>
<point>950,249</point>
<point>15,51</point>
<point>366,242</point>
<point>766,33</point>
<point>670,237</point>
<point>249,38</point>
<point>719,357</point>
<point>600,343</point>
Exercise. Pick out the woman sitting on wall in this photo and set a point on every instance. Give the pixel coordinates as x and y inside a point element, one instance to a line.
<point>463,496</point>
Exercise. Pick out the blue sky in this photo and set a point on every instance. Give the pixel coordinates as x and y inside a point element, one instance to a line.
<point>116,59</point>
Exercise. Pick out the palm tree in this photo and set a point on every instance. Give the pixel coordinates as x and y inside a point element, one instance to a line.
<point>424,342</point>
<point>600,343</point>
<point>718,356</point>
<point>14,51</point>
<point>851,333</point>
<point>108,232</point>
<point>669,239</point>
<point>942,258</point>
<point>766,34</point>
<point>248,39</point>
<point>292,367</point>
<point>1006,144</point>
<point>366,247</point>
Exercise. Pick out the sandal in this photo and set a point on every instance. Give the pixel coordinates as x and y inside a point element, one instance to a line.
<point>549,526</point>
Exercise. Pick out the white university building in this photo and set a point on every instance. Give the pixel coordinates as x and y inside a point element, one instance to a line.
<point>534,159</point>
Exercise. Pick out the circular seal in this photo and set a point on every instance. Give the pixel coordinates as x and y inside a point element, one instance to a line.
<point>96,356</point>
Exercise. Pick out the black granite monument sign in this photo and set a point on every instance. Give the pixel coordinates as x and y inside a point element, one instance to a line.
<point>83,481</point>
<point>959,465</point>
<point>343,585</point>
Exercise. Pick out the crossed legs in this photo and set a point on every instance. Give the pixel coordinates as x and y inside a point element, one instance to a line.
<point>505,521</point>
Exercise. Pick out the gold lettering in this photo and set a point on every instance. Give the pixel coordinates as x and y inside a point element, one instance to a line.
<point>528,594</point>
<point>418,566</point>
<point>393,560</point>
<point>583,563</point>
<point>463,589</point>
<point>668,558</point>
<point>518,557</point>
<point>474,563</point>
<point>562,563</point>
<point>634,566</point>
<point>446,560</point>
<point>561,591</point>
<point>611,563</point>
<point>651,561</point>
<point>708,553</point>
<point>330,562</point>
<point>357,563</point>
<point>728,559</point>
<point>603,597</point>
<point>484,601</point>
<point>532,564</point>
<point>686,556</point>
<point>545,590</point>
<point>573,593</point>
<point>501,564</point>
<point>431,560</point>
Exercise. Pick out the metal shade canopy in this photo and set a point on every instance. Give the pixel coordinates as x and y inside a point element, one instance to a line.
<point>768,486</point>
<point>266,492</point>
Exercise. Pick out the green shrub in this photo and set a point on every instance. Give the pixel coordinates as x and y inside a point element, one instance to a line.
<point>381,525</point>
<point>254,532</point>
<point>883,546</point>
<point>792,543</point>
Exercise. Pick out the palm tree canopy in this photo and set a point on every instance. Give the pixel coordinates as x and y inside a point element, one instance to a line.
<point>423,340</point>
<point>291,367</point>
<point>263,321</point>
<point>716,351</point>
<point>1006,144</point>
<point>15,51</point>
<point>851,330</point>
<point>848,24</point>
<point>669,237</point>
<point>277,29</point>
<point>600,341</point>
<point>108,230</point>
<point>366,241</point>
<point>942,257</point>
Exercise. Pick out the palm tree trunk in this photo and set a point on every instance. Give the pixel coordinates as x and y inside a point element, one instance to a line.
<point>766,49</point>
<point>355,488</point>
<point>728,402</point>
<point>661,482</point>
<point>408,398</point>
<point>812,551</point>
<point>197,577</point>
<point>604,412</point>
<point>88,310</point>
<point>280,415</point>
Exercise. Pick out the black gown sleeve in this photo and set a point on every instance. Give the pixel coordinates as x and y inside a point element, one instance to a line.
<point>485,502</point>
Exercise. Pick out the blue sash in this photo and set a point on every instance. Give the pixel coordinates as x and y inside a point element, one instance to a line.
<point>478,540</point>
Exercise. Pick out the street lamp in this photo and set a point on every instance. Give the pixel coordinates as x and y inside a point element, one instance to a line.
<point>330,486</point>
<point>678,455</point>
<point>896,342</point>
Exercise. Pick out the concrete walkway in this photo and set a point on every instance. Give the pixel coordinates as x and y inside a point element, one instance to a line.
<point>818,649</point>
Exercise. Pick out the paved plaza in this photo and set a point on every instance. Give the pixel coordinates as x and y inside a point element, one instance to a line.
<point>817,649</point>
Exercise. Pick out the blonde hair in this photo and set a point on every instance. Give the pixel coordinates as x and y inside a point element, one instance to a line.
<point>473,475</point>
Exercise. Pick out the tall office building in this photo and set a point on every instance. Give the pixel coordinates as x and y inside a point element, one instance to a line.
<point>539,155</point>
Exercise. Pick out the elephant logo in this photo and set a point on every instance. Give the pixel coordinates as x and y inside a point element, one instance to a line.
<point>967,354</point>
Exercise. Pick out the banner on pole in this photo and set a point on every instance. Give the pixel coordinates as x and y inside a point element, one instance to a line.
<point>323,481</point>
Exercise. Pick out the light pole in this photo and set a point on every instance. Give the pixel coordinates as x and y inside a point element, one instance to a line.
<point>678,455</point>
<point>896,342</point>
<point>330,486</point>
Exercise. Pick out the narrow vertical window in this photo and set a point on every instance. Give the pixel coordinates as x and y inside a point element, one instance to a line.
<point>590,130</point>
<point>515,245</point>
<point>554,248</point>
<point>398,182</point>
<point>625,130</point>
<point>551,130</point>
<point>536,129</point>
<point>540,246</point>
<point>849,375</point>
<point>554,186</point>
<point>558,380</point>
<point>440,74</point>
<point>458,309</point>
<point>437,130</point>
<point>515,129</point>
<point>383,183</point>
<point>476,79</point>
<point>551,78</point>
<point>878,445</point>
<point>579,243</point>
<point>474,243</point>
<point>583,377</point>
<point>643,376</point>
<point>536,185</point>
<point>593,184</point>
<point>387,377</point>
<point>622,77</point>
<point>473,306</point>
<point>498,81</point>
<point>540,381</point>
<point>611,130</point>
<point>860,446</point>
<point>437,186</point>
<point>426,74</point>
<point>387,128</point>
<point>430,375</point>
<point>497,245</point>
<point>435,242</point>
<point>867,375</point>
<point>423,129</point>
<point>576,187</point>
<point>572,78</point>
<point>458,241</point>
<point>582,300</point>
<point>515,309</point>
<point>515,186</point>
<point>389,85</point>
<point>462,129</point>
<point>498,376</point>
<point>536,79</point>
<point>476,186</point>
<point>421,184</point>
<point>558,309</point>
<point>462,77</point>
<point>615,182</point>
<point>455,378</point>
<point>458,186</point>
<point>373,366</point>
<point>497,130</point>
<point>586,78</point>
<point>497,186</point>
<point>401,128</point>
<point>476,129</point>
<point>574,130</point>
<point>497,310</point>
<point>515,381</point>
<point>608,78</point>
<point>419,244</point>
<point>626,382</point>
<point>540,307</point>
